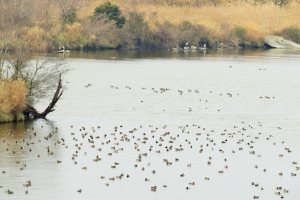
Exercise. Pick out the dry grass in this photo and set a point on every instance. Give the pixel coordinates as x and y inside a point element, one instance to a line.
<point>12,96</point>
<point>258,20</point>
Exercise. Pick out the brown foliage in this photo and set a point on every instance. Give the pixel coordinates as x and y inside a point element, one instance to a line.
<point>12,96</point>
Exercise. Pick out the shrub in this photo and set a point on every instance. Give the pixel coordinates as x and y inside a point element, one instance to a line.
<point>12,96</point>
<point>241,33</point>
<point>70,19</point>
<point>292,33</point>
<point>112,12</point>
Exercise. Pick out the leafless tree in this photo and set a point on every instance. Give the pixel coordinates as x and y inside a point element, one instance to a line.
<point>69,7</point>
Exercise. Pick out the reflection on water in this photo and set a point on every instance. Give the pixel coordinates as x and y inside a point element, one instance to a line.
<point>255,54</point>
<point>256,97</point>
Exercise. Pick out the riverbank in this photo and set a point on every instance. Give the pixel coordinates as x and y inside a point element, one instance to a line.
<point>4,118</point>
<point>164,25</point>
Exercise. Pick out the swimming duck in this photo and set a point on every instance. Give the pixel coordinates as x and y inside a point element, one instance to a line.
<point>146,179</point>
<point>221,171</point>
<point>192,183</point>
<point>278,193</point>
<point>182,175</point>
<point>293,174</point>
<point>280,174</point>
<point>79,190</point>
<point>206,178</point>
<point>9,192</point>
<point>164,185</point>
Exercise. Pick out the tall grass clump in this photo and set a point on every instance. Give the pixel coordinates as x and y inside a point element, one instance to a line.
<point>12,99</point>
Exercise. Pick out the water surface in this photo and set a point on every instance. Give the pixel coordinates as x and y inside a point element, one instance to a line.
<point>242,93</point>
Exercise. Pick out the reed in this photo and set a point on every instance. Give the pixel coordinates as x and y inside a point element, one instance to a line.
<point>259,20</point>
<point>12,99</point>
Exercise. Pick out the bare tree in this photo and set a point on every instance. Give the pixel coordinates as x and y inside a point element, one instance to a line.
<point>69,7</point>
<point>14,15</point>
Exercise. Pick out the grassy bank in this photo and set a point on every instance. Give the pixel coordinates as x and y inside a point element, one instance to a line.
<point>155,24</point>
<point>163,24</point>
<point>12,100</point>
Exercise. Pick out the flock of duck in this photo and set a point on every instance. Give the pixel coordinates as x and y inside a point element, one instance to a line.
<point>162,140</point>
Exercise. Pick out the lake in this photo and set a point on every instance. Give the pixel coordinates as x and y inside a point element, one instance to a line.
<point>227,103</point>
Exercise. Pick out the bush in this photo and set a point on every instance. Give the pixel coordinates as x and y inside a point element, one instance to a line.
<point>281,2</point>
<point>292,33</point>
<point>70,19</point>
<point>240,32</point>
<point>112,12</point>
<point>12,96</point>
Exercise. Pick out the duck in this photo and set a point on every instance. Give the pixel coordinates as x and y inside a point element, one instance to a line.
<point>206,178</point>
<point>221,171</point>
<point>9,192</point>
<point>255,197</point>
<point>84,167</point>
<point>293,174</point>
<point>146,179</point>
<point>182,175</point>
<point>107,184</point>
<point>192,183</point>
<point>164,185</point>
<point>79,190</point>
<point>280,174</point>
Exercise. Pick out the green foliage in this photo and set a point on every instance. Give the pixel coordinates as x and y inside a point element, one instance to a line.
<point>112,12</point>
<point>240,32</point>
<point>82,41</point>
<point>292,33</point>
<point>70,19</point>
<point>281,2</point>
<point>61,40</point>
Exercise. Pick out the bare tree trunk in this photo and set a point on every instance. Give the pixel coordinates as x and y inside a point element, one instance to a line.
<point>31,110</point>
